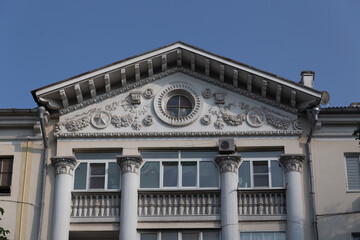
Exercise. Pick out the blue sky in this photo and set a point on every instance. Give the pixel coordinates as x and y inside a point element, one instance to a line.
<point>43,42</point>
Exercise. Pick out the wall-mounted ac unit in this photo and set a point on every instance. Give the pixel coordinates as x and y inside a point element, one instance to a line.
<point>226,145</point>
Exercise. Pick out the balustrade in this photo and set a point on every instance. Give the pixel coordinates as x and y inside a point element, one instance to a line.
<point>90,205</point>
<point>262,202</point>
<point>179,203</point>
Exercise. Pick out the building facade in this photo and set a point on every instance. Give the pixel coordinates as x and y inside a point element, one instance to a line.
<point>179,143</point>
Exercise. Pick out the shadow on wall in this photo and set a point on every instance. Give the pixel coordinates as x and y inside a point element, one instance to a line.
<point>336,224</point>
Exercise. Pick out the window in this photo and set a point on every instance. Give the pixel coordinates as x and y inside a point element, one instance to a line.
<point>97,171</point>
<point>262,236</point>
<point>179,169</point>
<point>183,235</point>
<point>353,172</point>
<point>5,174</point>
<point>179,106</point>
<point>261,170</point>
<point>355,235</point>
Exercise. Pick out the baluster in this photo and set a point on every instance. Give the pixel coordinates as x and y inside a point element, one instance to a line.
<point>267,203</point>
<point>158,205</point>
<point>81,205</point>
<point>175,205</point>
<point>107,205</point>
<point>140,205</point>
<point>181,204</point>
<point>271,203</point>
<point>117,205</point>
<point>86,205</point>
<point>152,205</point>
<point>75,206</point>
<point>102,205</point>
<point>240,203</point>
<point>260,203</point>
<point>163,204</point>
<point>187,204</point>
<point>146,206</point>
<point>203,204</point>
<point>97,206</point>
<point>250,204</point>
<point>170,205</point>
<point>208,205</point>
<point>192,202</point>
<point>198,204</point>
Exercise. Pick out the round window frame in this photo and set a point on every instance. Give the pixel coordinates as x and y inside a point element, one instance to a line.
<point>163,96</point>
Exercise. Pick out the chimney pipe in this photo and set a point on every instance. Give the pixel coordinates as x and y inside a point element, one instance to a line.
<point>307,78</point>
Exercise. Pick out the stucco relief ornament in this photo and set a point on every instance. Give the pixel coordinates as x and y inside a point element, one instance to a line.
<point>276,122</point>
<point>298,125</point>
<point>233,120</point>
<point>219,124</point>
<point>58,127</point>
<point>148,120</point>
<point>207,93</point>
<point>206,120</point>
<point>122,121</point>
<point>100,119</point>
<point>256,117</point>
<point>79,124</point>
<point>148,93</point>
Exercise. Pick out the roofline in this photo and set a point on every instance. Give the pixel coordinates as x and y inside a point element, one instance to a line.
<point>173,46</point>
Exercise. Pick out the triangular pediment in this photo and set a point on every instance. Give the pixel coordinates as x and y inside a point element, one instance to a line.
<point>77,92</point>
<point>142,110</point>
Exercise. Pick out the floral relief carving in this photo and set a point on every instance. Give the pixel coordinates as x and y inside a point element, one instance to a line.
<point>122,121</point>
<point>148,120</point>
<point>206,120</point>
<point>79,124</point>
<point>207,93</point>
<point>148,93</point>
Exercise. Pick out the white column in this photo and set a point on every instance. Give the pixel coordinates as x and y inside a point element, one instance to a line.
<point>129,195</point>
<point>228,165</point>
<point>64,169</point>
<point>294,196</point>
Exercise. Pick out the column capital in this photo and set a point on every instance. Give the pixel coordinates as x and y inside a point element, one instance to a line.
<point>64,164</point>
<point>292,162</point>
<point>228,162</point>
<point>129,163</point>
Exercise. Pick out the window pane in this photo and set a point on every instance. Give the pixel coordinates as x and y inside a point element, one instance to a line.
<point>170,174</point>
<point>150,154</point>
<point>211,235</point>
<point>244,175</point>
<point>198,154</point>
<point>209,174</point>
<point>189,173</point>
<point>169,236</point>
<point>80,176</point>
<point>261,180</point>
<point>185,102</point>
<point>148,236</point>
<point>260,167</point>
<point>150,175</point>
<point>190,236</point>
<point>277,174</point>
<point>273,154</point>
<point>96,155</point>
<point>353,172</point>
<point>184,112</point>
<point>97,169</point>
<point>113,176</point>
<point>97,182</point>
<point>174,101</point>
<point>6,165</point>
<point>173,112</point>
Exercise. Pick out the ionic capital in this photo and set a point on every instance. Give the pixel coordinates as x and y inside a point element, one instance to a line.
<point>129,163</point>
<point>228,162</point>
<point>292,162</point>
<point>64,165</point>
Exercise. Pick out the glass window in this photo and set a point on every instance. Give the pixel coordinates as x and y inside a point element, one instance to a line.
<point>6,164</point>
<point>170,174</point>
<point>262,236</point>
<point>179,169</point>
<point>148,236</point>
<point>97,171</point>
<point>169,235</point>
<point>209,174</point>
<point>355,235</point>
<point>182,235</point>
<point>261,170</point>
<point>353,172</point>
<point>150,175</point>
<point>190,236</point>
<point>179,106</point>
<point>189,172</point>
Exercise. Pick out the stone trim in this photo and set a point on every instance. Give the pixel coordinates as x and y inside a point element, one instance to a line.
<point>292,162</point>
<point>129,163</point>
<point>177,134</point>
<point>228,162</point>
<point>64,165</point>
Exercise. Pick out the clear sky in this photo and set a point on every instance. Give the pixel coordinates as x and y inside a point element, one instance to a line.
<point>42,42</point>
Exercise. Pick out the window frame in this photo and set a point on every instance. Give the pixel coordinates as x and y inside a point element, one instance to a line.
<point>179,161</point>
<point>346,155</point>
<point>88,175</point>
<point>180,233</point>
<point>6,190</point>
<point>263,158</point>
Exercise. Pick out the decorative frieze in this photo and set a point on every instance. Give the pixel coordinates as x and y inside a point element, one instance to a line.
<point>129,163</point>
<point>292,162</point>
<point>64,165</point>
<point>228,162</point>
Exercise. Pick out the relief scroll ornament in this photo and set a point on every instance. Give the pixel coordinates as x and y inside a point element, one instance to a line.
<point>148,120</point>
<point>148,93</point>
<point>207,93</point>
<point>206,120</point>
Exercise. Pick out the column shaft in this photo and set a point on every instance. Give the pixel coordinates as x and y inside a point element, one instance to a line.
<point>129,195</point>
<point>294,196</point>
<point>229,200</point>
<point>64,167</point>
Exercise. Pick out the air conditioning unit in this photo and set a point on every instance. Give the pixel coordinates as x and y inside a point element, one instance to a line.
<point>226,145</point>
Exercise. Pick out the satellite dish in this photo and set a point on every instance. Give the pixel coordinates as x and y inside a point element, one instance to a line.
<point>325,97</point>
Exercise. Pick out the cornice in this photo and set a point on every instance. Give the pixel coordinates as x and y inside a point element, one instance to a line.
<point>168,73</point>
<point>178,134</point>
